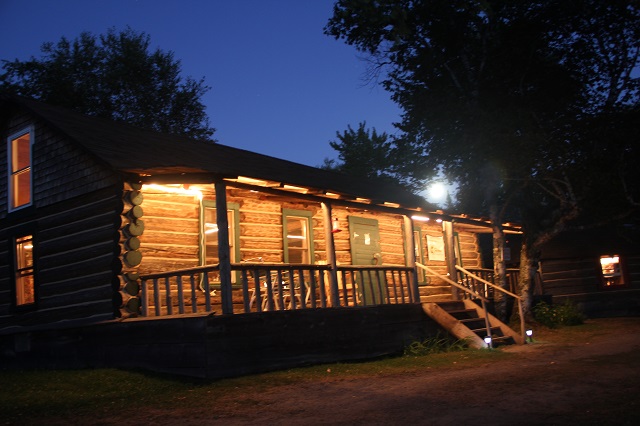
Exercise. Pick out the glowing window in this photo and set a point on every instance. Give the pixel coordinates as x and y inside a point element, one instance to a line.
<point>298,241</point>
<point>19,153</point>
<point>612,271</point>
<point>209,238</point>
<point>211,235</point>
<point>25,283</point>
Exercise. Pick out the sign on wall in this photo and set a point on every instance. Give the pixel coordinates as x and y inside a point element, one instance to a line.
<point>435,248</point>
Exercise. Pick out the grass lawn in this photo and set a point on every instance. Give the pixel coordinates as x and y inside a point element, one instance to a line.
<point>28,397</point>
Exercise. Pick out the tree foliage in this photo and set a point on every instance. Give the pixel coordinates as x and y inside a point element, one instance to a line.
<point>115,75</point>
<point>531,106</point>
<point>367,153</point>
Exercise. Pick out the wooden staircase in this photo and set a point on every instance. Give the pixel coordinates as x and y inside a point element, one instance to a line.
<point>466,320</point>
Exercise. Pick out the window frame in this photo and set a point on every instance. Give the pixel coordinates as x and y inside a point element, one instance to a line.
<point>11,174</point>
<point>308,220</point>
<point>622,274</point>
<point>234,234</point>
<point>21,272</point>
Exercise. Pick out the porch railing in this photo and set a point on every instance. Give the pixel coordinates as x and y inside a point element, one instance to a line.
<point>482,283</point>
<point>469,280</point>
<point>259,287</point>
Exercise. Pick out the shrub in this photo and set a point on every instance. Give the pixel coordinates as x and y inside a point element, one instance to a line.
<point>436,344</point>
<point>553,316</point>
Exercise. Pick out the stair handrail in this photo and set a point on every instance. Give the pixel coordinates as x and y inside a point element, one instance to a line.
<point>507,292</point>
<point>450,281</point>
<point>483,299</point>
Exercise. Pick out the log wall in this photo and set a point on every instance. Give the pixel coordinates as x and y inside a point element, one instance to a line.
<point>171,219</point>
<point>578,280</point>
<point>74,219</point>
<point>76,267</point>
<point>170,239</point>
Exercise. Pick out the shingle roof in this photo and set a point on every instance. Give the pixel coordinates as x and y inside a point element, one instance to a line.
<point>134,150</point>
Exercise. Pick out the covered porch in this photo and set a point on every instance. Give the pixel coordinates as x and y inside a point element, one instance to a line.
<point>247,245</point>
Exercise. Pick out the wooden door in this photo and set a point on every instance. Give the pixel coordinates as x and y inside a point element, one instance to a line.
<point>365,250</point>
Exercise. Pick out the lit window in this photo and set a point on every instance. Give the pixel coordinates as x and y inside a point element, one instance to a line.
<point>25,288</point>
<point>19,152</point>
<point>209,248</point>
<point>211,236</point>
<point>297,237</point>
<point>612,271</point>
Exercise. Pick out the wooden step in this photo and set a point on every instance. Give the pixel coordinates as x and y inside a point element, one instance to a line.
<point>454,305</point>
<point>482,332</point>
<point>464,314</point>
<point>465,320</point>
<point>474,323</point>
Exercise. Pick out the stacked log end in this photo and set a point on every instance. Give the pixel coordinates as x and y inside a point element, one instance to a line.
<point>132,228</point>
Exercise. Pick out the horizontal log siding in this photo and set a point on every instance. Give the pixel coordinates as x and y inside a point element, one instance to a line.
<point>5,277</point>
<point>391,239</point>
<point>633,269</point>
<point>170,239</point>
<point>171,229</point>
<point>569,276</point>
<point>577,276</point>
<point>77,263</point>
<point>469,249</point>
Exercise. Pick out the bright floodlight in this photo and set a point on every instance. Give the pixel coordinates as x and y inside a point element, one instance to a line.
<point>437,192</point>
<point>487,340</point>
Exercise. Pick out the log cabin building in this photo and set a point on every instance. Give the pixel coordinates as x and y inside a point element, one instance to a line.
<point>127,247</point>
<point>597,269</point>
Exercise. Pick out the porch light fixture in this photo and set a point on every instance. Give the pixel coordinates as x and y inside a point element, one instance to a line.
<point>335,227</point>
<point>180,189</point>
<point>295,188</point>
<point>487,340</point>
<point>420,218</point>
<point>251,181</point>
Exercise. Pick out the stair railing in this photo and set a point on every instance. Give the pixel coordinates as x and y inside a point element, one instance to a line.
<point>472,293</point>
<point>502,290</point>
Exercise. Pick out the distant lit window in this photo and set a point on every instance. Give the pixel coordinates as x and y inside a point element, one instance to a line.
<point>25,283</point>
<point>612,271</point>
<point>298,241</point>
<point>20,176</point>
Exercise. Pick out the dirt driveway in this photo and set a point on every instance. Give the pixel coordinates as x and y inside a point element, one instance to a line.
<point>593,379</point>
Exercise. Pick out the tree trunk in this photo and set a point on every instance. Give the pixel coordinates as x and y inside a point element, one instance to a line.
<point>526,281</point>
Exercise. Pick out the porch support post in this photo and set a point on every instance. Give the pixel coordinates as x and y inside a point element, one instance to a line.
<point>410,256</point>
<point>331,253</point>
<point>224,256</point>
<point>450,255</point>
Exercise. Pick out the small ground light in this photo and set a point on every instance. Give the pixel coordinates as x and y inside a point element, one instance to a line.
<point>529,334</point>
<point>487,340</point>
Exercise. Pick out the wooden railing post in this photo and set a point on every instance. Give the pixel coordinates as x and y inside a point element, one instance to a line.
<point>410,256</point>
<point>224,255</point>
<point>331,254</point>
<point>450,256</point>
